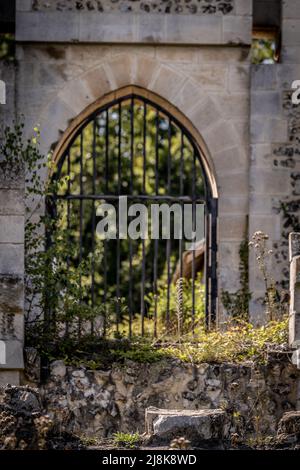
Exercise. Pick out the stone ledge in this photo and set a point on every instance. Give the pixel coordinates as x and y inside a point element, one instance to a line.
<point>96,27</point>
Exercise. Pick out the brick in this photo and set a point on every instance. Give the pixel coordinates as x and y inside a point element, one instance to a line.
<point>241,127</point>
<point>261,155</point>
<point>12,326</point>
<point>229,259</point>
<point>220,136</point>
<point>23,5</point>
<point>265,103</point>
<point>233,184</point>
<point>260,203</point>
<point>234,105</point>
<point>237,29</point>
<point>270,182</point>
<point>243,7</point>
<point>50,26</point>
<point>14,355</point>
<point>223,54</point>
<point>239,78</point>
<point>290,9</point>
<point>176,54</point>
<point>167,82</point>
<point>11,229</point>
<point>70,101</point>
<point>146,68</point>
<point>107,27</point>
<point>229,160</point>
<point>270,224</point>
<point>9,377</point>
<point>290,54</point>
<point>146,50</point>
<point>229,204</point>
<point>11,202</point>
<point>291,32</point>
<point>11,259</point>
<point>264,77</point>
<point>188,96</point>
<point>264,130</point>
<point>204,114</point>
<point>150,28</point>
<point>191,29</point>
<point>212,77</point>
<point>11,294</point>
<point>121,69</point>
<point>97,82</point>
<point>286,74</point>
<point>232,227</point>
<point>87,53</point>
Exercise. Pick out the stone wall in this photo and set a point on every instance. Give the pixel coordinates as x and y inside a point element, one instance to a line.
<point>140,6</point>
<point>102,402</point>
<point>275,150</point>
<point>125,21</point>
<point>11,248</point>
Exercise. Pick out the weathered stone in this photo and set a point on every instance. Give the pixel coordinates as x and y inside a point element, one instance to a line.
<point>103,400</point>
<point>237,29</point>
<point>11,229</point>
<point>11,202</point>
<point>294,245</point>
<point>290,424</point>
<point>11,259</point>
<point>13,355</point>
<point>195,425</point>
<point>58,369</point>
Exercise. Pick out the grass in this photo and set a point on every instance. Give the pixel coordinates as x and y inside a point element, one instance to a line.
<point>128,440</point>
<point>239,342</point>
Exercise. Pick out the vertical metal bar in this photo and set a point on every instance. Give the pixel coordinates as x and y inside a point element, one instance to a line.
<point>207,263</point>
<point>93,221</point>
<point>168,247</point>
<point>194,242</point>
<point>106,190</point>
<point>156,241</point>
<point>143,241</point>
<point>131,192</point>
<point>68,222</point>
<point>106,149</point>
<point>144,146</point>
<point>81,219</point>
<point>214,285</point>
<point>182,207</point>
<point>118,218</point>
<point>119,146</point>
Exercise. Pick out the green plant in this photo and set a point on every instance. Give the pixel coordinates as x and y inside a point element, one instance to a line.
<point>263,51</point>
<point>57,312</point>
<point>181,320</point>
<point>240,342</point>
<point>128,440</point>
<point>179,305</point>
<point>275,307</point>
<point>237,304</point>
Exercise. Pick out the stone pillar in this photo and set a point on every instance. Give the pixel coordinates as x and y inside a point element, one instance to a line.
<point>11,250</point>
<point>294,319</point>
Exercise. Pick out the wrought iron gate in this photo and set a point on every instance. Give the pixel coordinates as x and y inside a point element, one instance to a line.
<point>134,148</point>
